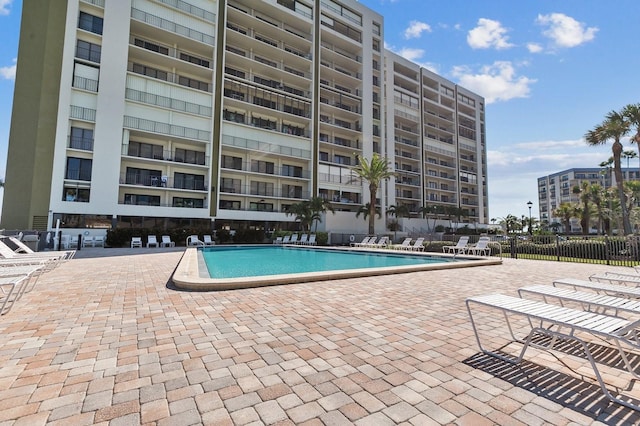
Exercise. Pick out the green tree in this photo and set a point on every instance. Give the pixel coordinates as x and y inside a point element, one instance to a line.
<point>303,213</point>
<point>628,154</point>
<point>401,210</point>
<point>510,223</point>
<point>319,206</point>
<point>597,196</point>
<point>566,211</point>
<point>374,172</point>
<point>632,114</point>
<point>614,127</point>
<point>365,211</point>
<point>584,194</point>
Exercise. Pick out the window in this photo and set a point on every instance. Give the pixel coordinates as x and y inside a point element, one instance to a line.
<point>236,117</point>
<point>78,169</point>
<point>231,185</point>
<point>142,200</point>
<point>135,176</point>
<point>261,188</point>
<point>196,203</point>
<point>89,51</point>
<point>80,195</point>
<point>145,150</point>
<point>262,167</point>
<point>324,156</point>
<point>90,23</point>
<point>261,207</point>
<point>150,72</point>
<point>193,83</point>
<point>81,139</point>
<point>229,162</point>
<point>229,205</point>
<point>294,171</point>
<point>151,46</point>
<point>291,191</point>
<point>188,181</point>
<point>189,156</point>
<point>341,159</point>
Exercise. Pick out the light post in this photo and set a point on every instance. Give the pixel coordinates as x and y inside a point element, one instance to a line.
<point>530,230</point>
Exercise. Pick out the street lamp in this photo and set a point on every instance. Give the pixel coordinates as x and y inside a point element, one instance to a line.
<point>530,230</point>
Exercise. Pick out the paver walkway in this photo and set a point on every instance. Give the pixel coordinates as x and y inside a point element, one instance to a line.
<point>105,339</point>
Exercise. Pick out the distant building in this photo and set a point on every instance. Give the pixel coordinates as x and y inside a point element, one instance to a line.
<point>162,113</point>
<point>557,188</point>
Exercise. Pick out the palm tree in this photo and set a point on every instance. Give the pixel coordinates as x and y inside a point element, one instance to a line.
<point>566,211</point>
<point>365,211</point>
<point>597,196</point>
<point>401,210</point>
<point>628,154</point>
<point>585,197</point>
<point>303,213</point>
<point>632,114</point>
<point>319,206</point>
<point>374,172</point>
<point>613,127</point>
<point>510,222</point>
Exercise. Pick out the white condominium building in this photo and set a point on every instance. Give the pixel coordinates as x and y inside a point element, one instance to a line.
<point>222,114</point>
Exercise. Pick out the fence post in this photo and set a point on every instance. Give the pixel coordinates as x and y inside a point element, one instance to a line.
<point>558,247</point>
<point>514,252</point>
<point>606,249</point>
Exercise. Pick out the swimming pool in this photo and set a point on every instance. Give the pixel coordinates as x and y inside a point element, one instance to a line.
<point>252,266</point>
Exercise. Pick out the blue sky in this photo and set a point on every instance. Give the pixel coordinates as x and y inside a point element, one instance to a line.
<point>549,71</point>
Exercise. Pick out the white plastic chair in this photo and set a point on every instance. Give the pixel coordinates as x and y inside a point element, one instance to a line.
<point>136,242</point>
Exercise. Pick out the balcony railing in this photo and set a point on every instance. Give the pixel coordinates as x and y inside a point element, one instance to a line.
<point>276,171</point>
<point>171,103</point>
<point>165,24</point>
<point>191,9</point>
<point>255,145</point>
<point>166,129</point>
<point>163,182</point>
<point>85,83</point>
<point>264,192</point>
<point>168,155</point>
<point>82,113</point>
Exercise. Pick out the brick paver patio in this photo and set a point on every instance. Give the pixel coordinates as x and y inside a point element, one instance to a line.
<point>105,339</point>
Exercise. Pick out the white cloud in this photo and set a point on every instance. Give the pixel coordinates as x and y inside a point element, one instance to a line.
<point>496,82</point>
<point>415,29</point>
<point>534,47</point>
<point>564,31</point>
<point>5,6</point>
<point>488,34</point>
<point>8,72</point>
<point>411,53</point>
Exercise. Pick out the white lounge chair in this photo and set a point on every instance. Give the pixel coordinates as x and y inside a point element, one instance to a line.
<point>136,242</point>
<point>405,245</point>
<point>286,239</point>
<point>208,241</point>
<point>303,239</point>
<point>87,241</point>
<point>559,324</point>
<point>166,241</point>
<point>601,288</point>
<point>364,241</point>
<point>418,245</point>
<point>194,241</point>
<point>459,248</point>
<point>23,248</point>
<point>58,256</point>
<point>382,243</point>
<point>616,278</point>
<point>294,239</point>
<point>312,240</point>
<point>152,241</point>
<point>98,241</point>
<point>278,240</point>
<point>481,248</point>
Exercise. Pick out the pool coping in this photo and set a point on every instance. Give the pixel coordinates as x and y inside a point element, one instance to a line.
<point>187,274</point>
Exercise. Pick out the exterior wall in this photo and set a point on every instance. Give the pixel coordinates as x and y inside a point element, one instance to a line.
<point>224,110</point>
<point>33,119</point>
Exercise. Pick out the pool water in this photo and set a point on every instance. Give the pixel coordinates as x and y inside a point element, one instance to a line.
<point>235,262</point>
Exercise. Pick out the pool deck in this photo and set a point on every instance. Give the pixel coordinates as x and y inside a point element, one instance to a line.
<point>107,339</point>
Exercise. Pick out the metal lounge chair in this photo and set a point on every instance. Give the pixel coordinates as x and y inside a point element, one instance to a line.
<point>303,239</point>
<point>561,324</point>
<point>194,241</point>
<point>208,241</point>
<point>382,243</point>
<point>312,240</point>
<point>277,241</point>
<point>598,287</point>
<point>617,278</point>
<point>459,248</point>
<point>294,239</point>
<point>286,239</point>
<point>23,248</point>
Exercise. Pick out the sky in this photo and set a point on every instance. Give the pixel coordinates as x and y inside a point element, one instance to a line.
<point>549,71</point>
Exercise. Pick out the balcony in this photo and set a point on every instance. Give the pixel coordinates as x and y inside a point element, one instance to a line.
<point>138,179</point>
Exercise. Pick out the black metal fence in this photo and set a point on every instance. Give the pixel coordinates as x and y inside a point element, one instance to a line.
<point>608,250</point>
